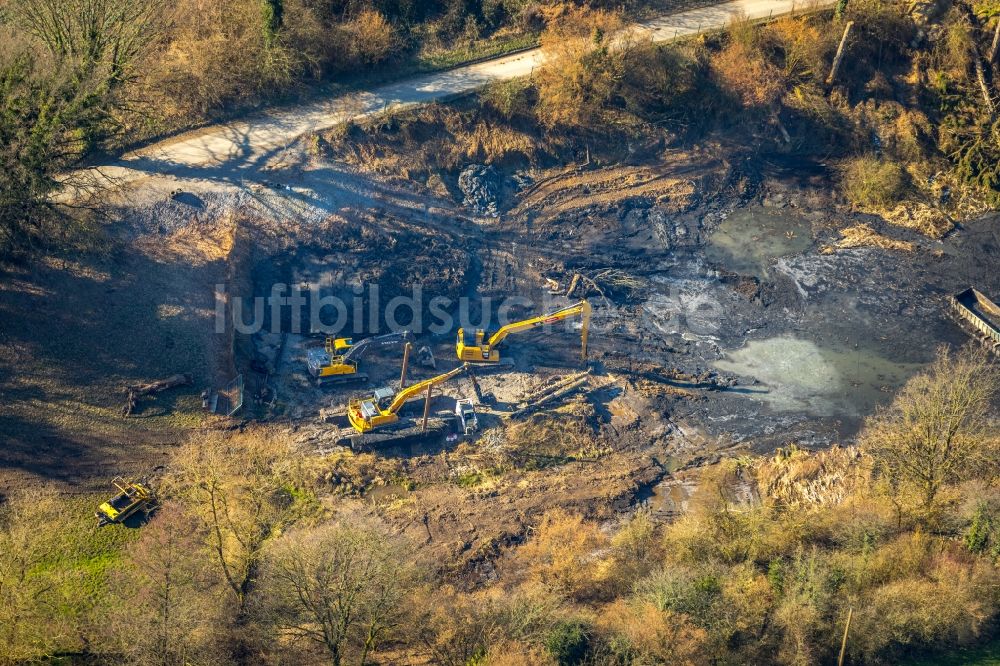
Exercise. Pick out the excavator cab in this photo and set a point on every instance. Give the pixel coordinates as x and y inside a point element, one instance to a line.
<point>337,346</point>
<point>133,496</point>
<point>325,366</point>
<point>368,413</point>
<point>363,414</point>
<point>481,352</point>
<point>328,363</point>
<point>383,396</point>
<point>337,360</point>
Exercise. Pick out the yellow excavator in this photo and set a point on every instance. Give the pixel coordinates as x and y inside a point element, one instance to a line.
<point>338,360</point>
<point>485,349</point>
<point>381,409</point>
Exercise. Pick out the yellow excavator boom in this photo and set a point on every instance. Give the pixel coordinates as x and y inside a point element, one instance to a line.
<point>368,413</point>
<point>416,389</point>
<point>485,350</point>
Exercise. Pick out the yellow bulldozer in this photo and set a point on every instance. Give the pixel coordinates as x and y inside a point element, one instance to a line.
<point>133,497</point>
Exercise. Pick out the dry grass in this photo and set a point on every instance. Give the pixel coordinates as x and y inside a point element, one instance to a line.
<point>882,187</point>
<point>920,217</point>
<point>420,143</point>
<point>795,477</point>
<point>861,235</point>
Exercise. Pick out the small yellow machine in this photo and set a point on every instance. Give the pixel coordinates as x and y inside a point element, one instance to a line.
<point>485,348</point>
<point>132,496</point>
<point>338,360</point>
<point>381,409</point>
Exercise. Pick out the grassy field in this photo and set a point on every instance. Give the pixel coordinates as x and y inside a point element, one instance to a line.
<point>81,563</point>
<point>87,554</point>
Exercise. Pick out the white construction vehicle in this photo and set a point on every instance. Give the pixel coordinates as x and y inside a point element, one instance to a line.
<point>465,414</point>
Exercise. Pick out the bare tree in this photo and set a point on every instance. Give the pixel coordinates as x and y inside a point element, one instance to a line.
<point>91,33</point>
<point>236,486</point>
<point>63,69</point>
<point>339,586</point>
<point>941,427</point>
<point>30,622</point>
<point>167,590</point>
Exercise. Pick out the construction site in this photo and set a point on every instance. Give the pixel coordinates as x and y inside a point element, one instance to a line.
<point>456,334</point>
<point>721,319</point>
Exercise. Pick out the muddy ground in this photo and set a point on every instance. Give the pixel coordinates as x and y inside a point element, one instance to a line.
<point>696,272</point>
<point>722,324</point>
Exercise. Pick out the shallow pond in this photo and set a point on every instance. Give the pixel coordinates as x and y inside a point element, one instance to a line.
<point>749,239</point>
<point>799,375</point>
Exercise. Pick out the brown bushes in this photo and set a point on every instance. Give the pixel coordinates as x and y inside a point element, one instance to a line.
<point>369,37</point>
<point>435,138</point>
<point>220,53</point>
<point>583,67</point>
<point>508,98</point>
<point>216,54</point>
<point>754,81</point>
<point>560,556</point>
<point>803,47</point>
<point>659,78</point>
<point>651,635</point>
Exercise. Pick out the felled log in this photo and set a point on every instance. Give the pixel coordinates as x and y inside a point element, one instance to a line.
<point>995,46</point>
<point>135,391</point>
<point>552,386</point>
<point>572,285</point>
<point>562,392</point>
<point>981,79</point>
<point>840,54</point>
<point>552,391</point>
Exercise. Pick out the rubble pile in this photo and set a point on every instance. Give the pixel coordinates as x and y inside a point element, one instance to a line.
<point>481,186</point>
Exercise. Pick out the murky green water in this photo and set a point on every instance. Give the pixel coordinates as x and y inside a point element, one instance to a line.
<point>798,375</point>
<point>749,239</point>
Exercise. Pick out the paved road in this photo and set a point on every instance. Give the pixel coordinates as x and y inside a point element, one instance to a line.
<point>247,144</point>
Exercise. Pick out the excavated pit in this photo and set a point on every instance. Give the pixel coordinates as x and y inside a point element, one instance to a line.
<point>690,275</point>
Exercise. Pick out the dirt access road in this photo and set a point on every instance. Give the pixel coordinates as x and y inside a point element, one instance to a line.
<point>231,148</point>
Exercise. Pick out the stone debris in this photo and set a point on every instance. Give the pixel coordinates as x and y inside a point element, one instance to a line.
<point>481,186</point>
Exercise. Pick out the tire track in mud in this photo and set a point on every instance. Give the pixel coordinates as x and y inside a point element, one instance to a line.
<point>514,229</point>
